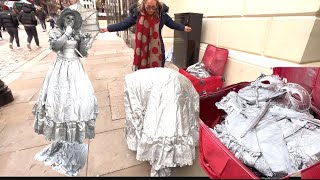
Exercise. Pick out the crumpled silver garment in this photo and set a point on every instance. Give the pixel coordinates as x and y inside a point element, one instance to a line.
<point>243,153</point>
<point>257,141</point>
<point>65,158</point>
<point>66,108</point>
<point>301,131</point>
<point>198,70</point>
<point>169,54</point>
<point>162,116</point>
<point>284,136</point>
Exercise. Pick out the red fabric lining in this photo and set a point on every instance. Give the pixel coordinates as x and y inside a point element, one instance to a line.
<point>215,59</point>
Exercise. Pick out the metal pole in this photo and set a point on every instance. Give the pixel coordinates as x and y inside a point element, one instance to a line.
<point>119,8</point>
<point>114,11</point>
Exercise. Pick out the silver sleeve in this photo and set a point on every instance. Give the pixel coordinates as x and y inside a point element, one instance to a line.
<point>57,40</point>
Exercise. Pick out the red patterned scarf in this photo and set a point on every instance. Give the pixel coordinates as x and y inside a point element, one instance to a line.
<point>147,48</point>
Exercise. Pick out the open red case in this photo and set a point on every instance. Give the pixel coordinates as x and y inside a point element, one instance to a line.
<point>216,160</point>
<point>214,60</point>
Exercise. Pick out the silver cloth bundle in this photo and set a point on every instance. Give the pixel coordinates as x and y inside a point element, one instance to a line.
<point>267,127</point>
<point>65,158</point>
<point>198,70</point>
<point>162,113</point>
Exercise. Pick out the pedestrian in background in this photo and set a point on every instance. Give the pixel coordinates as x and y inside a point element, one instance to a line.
<point>10,22</point>
<point>42,16</point>
<point>52,20</point>
<point>0,34</point>
<point>1,27</point>
<point>149,17</point>
<point>28,19</point>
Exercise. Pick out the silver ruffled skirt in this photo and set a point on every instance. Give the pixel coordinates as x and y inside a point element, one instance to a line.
<point>65,113</point>
<point>66,108</point>
<point>162,113</point>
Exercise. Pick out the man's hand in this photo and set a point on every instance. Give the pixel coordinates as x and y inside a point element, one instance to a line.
<point>103,30</point>
<point>187,29</point>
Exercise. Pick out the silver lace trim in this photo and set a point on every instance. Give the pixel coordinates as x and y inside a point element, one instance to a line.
<point>72,131</point>
<point>163,152</point>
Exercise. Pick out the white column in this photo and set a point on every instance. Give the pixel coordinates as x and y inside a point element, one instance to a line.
<point>94,4</point>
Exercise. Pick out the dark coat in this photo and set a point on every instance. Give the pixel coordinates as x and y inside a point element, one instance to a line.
<point>165,19</point>
<point>42,15</point>
<point>8,20</point>
<point>27,16</point>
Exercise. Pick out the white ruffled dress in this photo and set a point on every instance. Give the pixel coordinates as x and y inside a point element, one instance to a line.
<point>162,118</point>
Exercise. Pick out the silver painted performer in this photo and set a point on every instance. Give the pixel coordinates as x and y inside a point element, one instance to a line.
<point>66,109</point>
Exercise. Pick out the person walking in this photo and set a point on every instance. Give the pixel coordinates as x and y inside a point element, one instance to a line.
<point>149,17</point>
<point>9,21</point>
<point>0,34</point>
<point>28,19</point>
<point>52,20</point>
<point>1,25</point>
<point>0,30</point>
<point>42,15</point>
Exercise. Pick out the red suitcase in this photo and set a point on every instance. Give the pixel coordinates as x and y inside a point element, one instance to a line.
<point>214,60</point>
<point>216,159</point>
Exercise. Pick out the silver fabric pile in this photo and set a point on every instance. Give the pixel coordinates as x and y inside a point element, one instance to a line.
<point>268,126</point>
<point>198,70</point>
<point>169,54</point>
<point>162,114</point>
<point>65,158</point>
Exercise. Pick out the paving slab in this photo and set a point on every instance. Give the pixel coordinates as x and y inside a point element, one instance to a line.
<point>105,123</point>
<point>33,75</point>
<point>117,107</point>
<point>22,163</point>
<point>23,96</point>
<point>108,152</point>
<point>140,170</point>
<point>18,136</point>
<point>116,88</point>
<point>19,112</point>
<point>26,84</point>
<point>100,85</point>
<point>103,98</point>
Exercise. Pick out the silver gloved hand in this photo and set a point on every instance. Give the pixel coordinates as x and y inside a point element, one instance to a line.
<point>56,45</point>
<point>68,31</point>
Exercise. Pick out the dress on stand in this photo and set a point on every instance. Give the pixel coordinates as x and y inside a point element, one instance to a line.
<point>162,118</point>
<point>66,110</point>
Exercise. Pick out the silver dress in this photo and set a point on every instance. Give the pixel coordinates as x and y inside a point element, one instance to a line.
<point>66,109</point>
<point>162,116</point>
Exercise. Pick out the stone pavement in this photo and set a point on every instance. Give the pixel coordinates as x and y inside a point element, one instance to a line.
<point>10,60</point>
<point>109,61</point>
